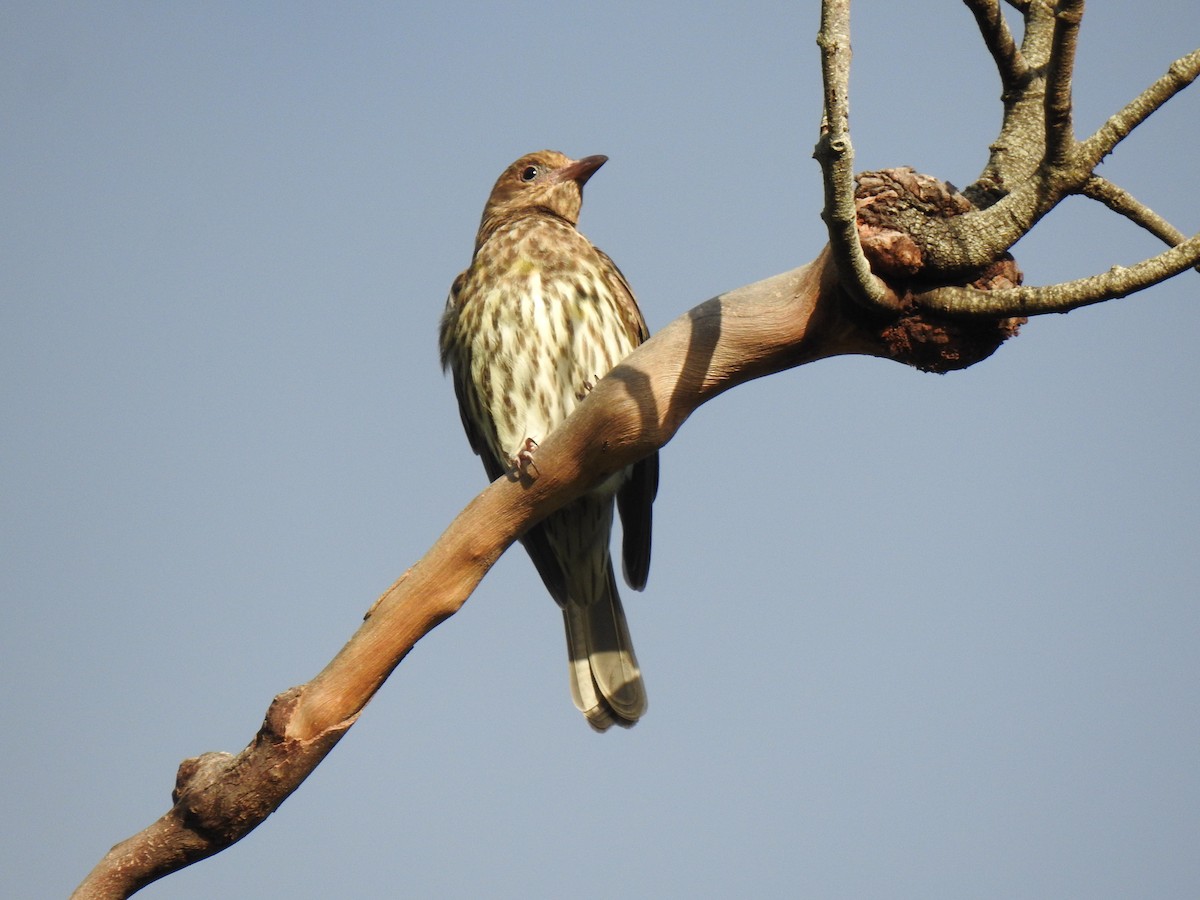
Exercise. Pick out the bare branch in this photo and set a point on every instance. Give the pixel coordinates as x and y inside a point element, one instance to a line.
<point>835,153</point>
<point>1181,73</point>
<point>1019,148</point>
<point>999,40</point>
<point>1021,6</point>
<point>1123,203</point>
<point>1060,298</point>
<point>1012,194</point>
<point>1039,33</point>
<point>1060,135</point>
<point>219,799</point>
<point>747,333</point>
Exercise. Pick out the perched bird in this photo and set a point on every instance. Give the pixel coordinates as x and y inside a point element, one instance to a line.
<point>537,319</point>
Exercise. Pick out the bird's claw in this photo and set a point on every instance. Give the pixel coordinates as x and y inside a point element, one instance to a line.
<point>523,461</point>
<point>587,389</point>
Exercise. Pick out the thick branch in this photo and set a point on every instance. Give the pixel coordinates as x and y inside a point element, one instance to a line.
<point>218,799</point>
<point>753,331</point>
<point>1019,148</point>
<point>1060,298</point>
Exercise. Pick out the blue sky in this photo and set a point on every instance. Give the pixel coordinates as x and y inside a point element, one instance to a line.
<point>905,635</point>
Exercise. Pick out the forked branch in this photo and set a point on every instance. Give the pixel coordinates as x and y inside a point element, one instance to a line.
<point>1117,282</point>
<point>1125,204</point>
<point>1060,136</point>
<point>1011,65</point>
<point>1179,75</point>
<point>835,153</point>
<point>1035,164</point>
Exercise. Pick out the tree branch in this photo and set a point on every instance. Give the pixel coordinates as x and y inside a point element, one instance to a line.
<point>1060,135</point>
<point>1039,32</point>
<point>1012,208</point>
<point>835,154</point>
<point>1117,282</point>
<point>753,331</point>
<point>1010,64</point>
<point>1179,75</point>
<point>1123,203</point>
<point>1018,150</point>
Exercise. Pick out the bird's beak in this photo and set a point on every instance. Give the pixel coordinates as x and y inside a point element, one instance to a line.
<point>581,170</point>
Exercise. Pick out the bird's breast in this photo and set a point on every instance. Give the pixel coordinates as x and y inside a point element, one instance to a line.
<point>541,324</point>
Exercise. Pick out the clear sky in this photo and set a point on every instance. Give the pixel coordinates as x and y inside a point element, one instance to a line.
<point>905,635</point>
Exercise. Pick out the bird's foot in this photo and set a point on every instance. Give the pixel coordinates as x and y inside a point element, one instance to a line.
<point>523,461</point>
<point>587,389</point>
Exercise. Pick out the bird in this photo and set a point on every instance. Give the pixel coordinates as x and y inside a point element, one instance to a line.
<point>534,322</point>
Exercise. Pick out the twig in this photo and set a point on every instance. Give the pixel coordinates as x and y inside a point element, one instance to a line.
<point>835,153</point>
<point>1123,203</point>
<point>1179,75</point>
<point>1014,196</point>
<point>1060,298</point>
<point>1010,63</point>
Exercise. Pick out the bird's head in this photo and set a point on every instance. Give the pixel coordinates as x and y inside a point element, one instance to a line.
<point>547,180</point>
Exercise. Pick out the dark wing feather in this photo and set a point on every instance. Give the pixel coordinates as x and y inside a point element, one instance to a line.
<point>634,321</point>
<point>635,503</point>
<point>456,356</point>
<point>635,499</point>
<point>538,547</point>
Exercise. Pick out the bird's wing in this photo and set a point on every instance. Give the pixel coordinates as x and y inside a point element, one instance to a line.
<point>456,356</point>
<point>635,323</point>
<point>635,503</point>
<point>537,545</point>
<point>635,499</point>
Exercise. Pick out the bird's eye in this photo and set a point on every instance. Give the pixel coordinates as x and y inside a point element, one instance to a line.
<point>529,173</point>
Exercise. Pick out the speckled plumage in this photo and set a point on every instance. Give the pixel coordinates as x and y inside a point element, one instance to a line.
<point>536,320</point>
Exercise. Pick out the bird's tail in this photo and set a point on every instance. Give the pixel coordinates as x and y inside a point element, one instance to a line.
<point>606,682</point>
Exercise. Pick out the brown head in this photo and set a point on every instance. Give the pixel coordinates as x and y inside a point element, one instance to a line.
<point>545,180</point>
